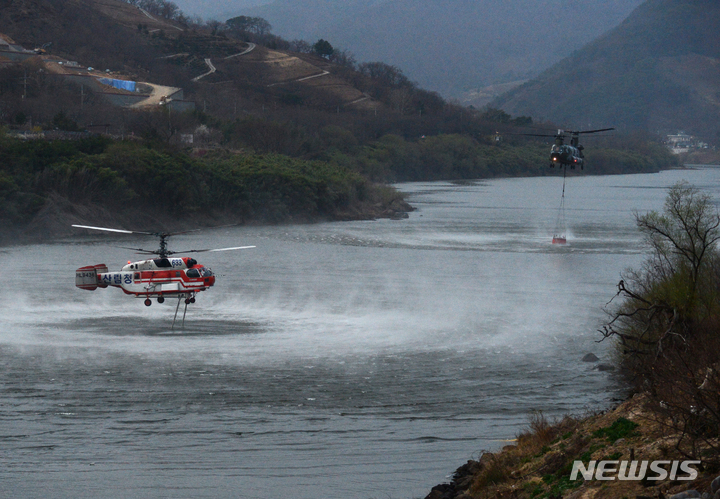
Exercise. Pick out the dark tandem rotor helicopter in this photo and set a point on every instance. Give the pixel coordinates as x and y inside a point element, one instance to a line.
<point>563,154</point>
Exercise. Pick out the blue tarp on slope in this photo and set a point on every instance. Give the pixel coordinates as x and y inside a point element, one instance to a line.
<point>123,84</point>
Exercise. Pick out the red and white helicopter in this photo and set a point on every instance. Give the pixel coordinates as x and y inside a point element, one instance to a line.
<point>154,278</point>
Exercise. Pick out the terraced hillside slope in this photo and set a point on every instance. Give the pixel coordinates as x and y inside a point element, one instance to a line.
<point>136,45</point>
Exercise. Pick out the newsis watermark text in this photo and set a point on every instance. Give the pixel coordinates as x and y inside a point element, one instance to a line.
<point>635,470</point>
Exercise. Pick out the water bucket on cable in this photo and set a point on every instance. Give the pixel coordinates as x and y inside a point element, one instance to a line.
<point>560,229</point>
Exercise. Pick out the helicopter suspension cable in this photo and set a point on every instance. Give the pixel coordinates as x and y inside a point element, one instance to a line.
<point>560,222</point>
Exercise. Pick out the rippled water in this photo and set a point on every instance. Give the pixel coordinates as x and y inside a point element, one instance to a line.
<point>355,360</point>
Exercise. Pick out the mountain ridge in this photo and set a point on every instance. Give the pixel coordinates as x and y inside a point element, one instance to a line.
<point>659,70</point>
<point>477,43</point>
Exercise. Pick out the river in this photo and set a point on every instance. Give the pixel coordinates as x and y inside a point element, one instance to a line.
<point>356,359</point>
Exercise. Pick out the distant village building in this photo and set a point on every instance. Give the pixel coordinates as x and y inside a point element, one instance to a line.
<point>683,142</point>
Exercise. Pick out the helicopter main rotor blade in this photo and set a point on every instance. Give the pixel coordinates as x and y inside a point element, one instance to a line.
<point>163,252</point>
<point>533,134</point>
<point>106,229</point>
<point>560,132</point>
<point>203,228</point>
<point>140,251</point>
<point>231,249</point>
<point>595,131</point>
<point>211,250</point>
<point>158,233</point>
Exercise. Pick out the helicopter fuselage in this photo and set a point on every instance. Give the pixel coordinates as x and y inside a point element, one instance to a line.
<point>566,155</point>
<point>155,278</point>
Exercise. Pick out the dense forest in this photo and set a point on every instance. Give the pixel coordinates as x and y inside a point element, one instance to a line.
<point>122,174</point>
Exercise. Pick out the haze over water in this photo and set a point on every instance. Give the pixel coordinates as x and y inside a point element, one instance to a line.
<point>356,360</point>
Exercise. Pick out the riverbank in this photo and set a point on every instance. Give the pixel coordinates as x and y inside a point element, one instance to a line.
<point>55,219</point>
<point>700,157</point>
<point>48,185</point>
<point>539,464</point>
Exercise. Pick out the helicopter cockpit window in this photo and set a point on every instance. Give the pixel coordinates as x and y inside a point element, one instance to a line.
<point>162,263</point>
<point>193,273</point>
<point>205,272</point>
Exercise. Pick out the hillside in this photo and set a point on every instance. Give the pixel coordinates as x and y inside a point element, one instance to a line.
<point>72,29</point>
<point>451,47</point>
<point>287,101</point>
<point>147,47</point>
<point>55,93</point>
<point>658,71</point>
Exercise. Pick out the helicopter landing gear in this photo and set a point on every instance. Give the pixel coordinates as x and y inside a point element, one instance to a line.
<point>147,302</point>
<point>188,300</point>
<point>161,299</point>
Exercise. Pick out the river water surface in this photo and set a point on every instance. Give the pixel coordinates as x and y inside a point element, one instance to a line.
<point>356,360</point>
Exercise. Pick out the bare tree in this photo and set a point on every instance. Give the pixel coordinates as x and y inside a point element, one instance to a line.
<point>664,294</point>
<point>300,46</point>
<point>385,73</point>
<point>666,326</point>
<point>343,58</point>
<point>247,24</point>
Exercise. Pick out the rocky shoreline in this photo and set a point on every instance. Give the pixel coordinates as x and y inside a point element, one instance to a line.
<point>540,464</point>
